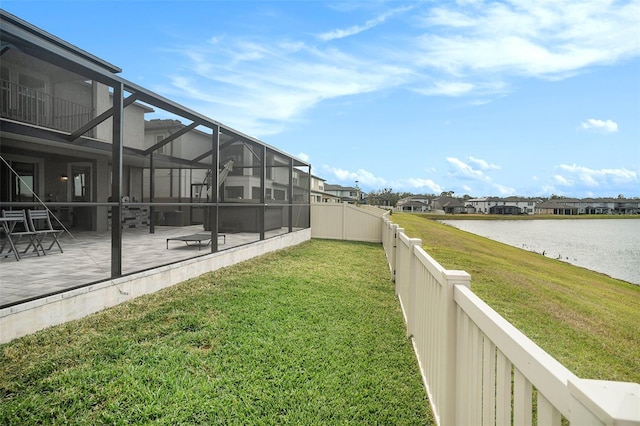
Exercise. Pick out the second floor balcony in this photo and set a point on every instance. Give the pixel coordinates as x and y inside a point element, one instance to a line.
<point>38,108</point>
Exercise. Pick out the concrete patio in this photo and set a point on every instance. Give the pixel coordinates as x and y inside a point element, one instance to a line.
<point>87,259</point>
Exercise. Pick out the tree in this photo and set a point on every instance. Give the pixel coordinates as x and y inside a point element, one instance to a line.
<point>386,197</point>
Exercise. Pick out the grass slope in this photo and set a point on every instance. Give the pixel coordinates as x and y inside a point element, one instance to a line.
<point>308,335</point>
<point>586,320</point>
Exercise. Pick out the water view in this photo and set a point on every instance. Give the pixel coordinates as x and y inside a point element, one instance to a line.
<point>609,246</point>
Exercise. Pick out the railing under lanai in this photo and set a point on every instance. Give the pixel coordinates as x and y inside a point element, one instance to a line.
<point>32,106</point>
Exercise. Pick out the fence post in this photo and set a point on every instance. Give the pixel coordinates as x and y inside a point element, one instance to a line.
<point>412,291</point>
<point>344,221</point>
<point>393,249</point>
<point>451,372</point>
<point>396,239</point>
<point>596,402</point>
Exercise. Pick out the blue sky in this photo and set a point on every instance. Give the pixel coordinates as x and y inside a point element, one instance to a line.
<point>497,98</point>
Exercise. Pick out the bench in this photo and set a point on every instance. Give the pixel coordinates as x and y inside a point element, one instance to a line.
<point>197,239</point>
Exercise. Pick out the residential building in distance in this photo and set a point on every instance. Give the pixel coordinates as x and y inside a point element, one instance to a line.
<point>414,204</point>
<point>318,193</point>
<point>508,205</point>
<point>347,194</point>
<point>520,205</point>
<point>449,205</point>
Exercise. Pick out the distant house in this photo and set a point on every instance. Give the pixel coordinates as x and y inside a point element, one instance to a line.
<point>449,205</point>
<point>479,205</point>
<point>593,205</point>
<point>625,206</point>
<point>505,210</point>
<point>507,205</point>
<point>556,207</point>
<point>319,194</point>
<point>347,194</point>
<point>413,204</point>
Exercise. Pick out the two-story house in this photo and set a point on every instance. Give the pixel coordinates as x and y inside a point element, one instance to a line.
<point>346,194</point>
<point>318,193</point>
<point>79,140</point>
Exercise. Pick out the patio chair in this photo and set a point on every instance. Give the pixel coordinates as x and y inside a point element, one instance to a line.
<point>18,227</point>
<point>40,222</point>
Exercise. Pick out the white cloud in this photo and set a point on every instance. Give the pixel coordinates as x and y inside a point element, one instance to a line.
<point>447,88</point>
<point>541,39</point>
<point>595,177</point>
<point>468,49</point>
<point>420,183</point>
<point>482,164</point>
<point>364,177</point>
<point>504,190</point>
<point>304,157</point>
<point>561,180</point>
<point>259,85</point>
<point>356,29</point>
<point>474,167</point>
<point>464,170</point>
<point>593,124</point>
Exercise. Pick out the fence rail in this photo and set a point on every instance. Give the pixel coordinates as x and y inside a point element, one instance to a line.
<point>36,107</point>
<point>477,368</point>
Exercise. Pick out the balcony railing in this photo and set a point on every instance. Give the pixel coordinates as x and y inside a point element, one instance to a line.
<point>31,106</point>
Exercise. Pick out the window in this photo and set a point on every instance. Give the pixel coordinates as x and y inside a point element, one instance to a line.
<point>24,182</point>
<point>164,149</point>
<point>234,153</point>
<point>279,194</point>
<point>255,192</point>
<point>234,192</point>
<point>80,183</point>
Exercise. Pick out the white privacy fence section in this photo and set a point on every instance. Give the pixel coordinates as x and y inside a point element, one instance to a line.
<point>477,368</point>
<point>346,222</point>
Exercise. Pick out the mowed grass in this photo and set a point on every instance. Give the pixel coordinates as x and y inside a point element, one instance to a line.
<point>586,320</point>
<point>308,335</point>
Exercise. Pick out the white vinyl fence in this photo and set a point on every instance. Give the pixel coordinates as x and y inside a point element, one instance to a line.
<point>346,222</point>
<point>480,370</point>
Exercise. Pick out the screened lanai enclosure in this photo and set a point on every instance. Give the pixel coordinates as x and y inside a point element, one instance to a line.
<point>134,180</point>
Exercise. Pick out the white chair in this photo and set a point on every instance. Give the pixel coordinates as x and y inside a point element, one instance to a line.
<point>40,223</point>
<point>19,228</point>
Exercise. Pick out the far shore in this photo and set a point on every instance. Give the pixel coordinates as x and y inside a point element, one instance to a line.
<point>476,216</point>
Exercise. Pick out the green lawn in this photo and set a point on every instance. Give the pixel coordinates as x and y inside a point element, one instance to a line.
<point>586,320</point>
<point>308,335</point>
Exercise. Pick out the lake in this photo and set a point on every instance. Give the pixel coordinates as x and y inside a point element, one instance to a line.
<point>609,246</point>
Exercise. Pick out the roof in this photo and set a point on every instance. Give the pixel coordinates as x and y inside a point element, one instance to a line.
<point>18,34</point>
<point>553,204</point>
<point>9,20</point>
<point>329,187</point>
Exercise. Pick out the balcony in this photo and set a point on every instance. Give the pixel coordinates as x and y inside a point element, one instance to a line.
<point>31,106</point>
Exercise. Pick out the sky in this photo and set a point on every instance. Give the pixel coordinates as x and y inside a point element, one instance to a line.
<point>483,98</point>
